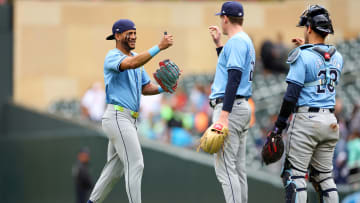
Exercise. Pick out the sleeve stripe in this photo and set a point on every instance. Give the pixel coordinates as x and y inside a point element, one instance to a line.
<point>235,68</point>
<point>296,82</point>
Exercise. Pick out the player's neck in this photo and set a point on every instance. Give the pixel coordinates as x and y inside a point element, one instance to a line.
<point>233,30</point>
<point>314,39</point>
<point>123,50</point>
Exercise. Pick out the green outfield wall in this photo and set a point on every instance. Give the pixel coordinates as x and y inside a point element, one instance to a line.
<point>6,57</point>
<point>6,52</point>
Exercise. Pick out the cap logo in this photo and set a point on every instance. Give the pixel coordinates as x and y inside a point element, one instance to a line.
<point>240,14</point>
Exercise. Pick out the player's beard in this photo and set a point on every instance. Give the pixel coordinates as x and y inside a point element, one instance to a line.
<point>128,44</point>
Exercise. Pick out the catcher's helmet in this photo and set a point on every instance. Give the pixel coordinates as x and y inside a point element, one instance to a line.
<point>317,17</point>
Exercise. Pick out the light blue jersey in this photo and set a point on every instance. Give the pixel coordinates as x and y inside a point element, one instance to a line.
<point>309,67</point>
<point>238,53</point>
<point>123,88</point>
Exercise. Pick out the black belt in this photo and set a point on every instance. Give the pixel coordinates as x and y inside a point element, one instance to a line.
<point>214,102</point>
<point>315,109</point>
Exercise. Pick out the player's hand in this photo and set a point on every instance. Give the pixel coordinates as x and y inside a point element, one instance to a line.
<point>298,41</point>
<point>216,35</point>
<point>166,41</point>
<point>224,119</point>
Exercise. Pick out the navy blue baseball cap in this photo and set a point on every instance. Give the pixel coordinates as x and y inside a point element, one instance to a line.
<point>232,8</point>
<point>120,26</point>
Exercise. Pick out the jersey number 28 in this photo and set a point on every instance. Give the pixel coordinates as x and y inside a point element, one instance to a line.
<point>333,78</point>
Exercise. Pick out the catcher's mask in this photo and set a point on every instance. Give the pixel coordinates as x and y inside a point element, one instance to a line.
<point>317,17</point>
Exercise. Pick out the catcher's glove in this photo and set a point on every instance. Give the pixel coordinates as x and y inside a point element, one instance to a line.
<point>213,139</point>
<point>167,75</point>
<point>273,149</point>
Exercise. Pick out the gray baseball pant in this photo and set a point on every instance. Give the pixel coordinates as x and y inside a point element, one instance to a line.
<point>312,137</point>
<point>124,156</point>
<point>230,164</point>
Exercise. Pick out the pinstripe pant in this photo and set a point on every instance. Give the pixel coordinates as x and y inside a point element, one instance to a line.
<point>230,167</point>
<point>124,156</point>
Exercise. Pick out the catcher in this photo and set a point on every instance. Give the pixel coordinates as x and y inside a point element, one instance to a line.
<point>125,80</point>
<point>315,70</point>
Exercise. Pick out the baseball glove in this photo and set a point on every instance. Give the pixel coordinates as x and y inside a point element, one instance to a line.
<point>167,75</point>
<point>213,139</point>
<point>273,149</point>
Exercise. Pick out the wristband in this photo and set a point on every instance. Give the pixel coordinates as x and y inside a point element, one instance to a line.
<point>160,89</point>
<point>154,50</point>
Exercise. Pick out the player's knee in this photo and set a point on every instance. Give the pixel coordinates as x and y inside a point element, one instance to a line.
<point>222,177</point>
<point>324,185</point>
<point>139,166</point>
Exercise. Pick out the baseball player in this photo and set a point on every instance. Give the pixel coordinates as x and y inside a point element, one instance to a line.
<point>125,81</point>
<point>229,94</point>
<point>315,70</point>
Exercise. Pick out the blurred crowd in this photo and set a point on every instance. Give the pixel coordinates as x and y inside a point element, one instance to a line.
<point>179,119</point>
<point>273,55</point>
<point>347,152</point>
<point>3,2</point>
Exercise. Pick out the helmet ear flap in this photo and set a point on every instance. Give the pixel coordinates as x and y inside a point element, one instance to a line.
<point>303,18</point>
<point>302,21</point>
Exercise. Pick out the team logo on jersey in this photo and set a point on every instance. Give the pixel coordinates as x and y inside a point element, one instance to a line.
<point>327,56</point>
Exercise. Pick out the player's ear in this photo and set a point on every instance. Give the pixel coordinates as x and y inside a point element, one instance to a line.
<point>117,36</point>
<point>226,19</point>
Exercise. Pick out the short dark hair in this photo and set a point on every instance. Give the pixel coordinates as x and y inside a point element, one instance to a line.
<point>323,34</point>
<point>236,20</point>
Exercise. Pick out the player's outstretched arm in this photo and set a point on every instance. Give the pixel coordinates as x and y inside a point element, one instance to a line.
<point>151,89</point>
<point>133,62</point>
